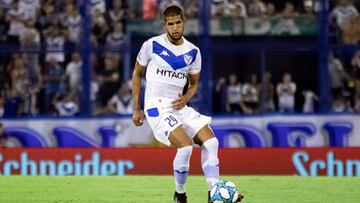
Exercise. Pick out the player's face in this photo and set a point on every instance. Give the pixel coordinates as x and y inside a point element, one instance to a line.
<point>174,26</point>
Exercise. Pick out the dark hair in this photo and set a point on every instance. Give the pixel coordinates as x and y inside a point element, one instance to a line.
<point>173,11</point>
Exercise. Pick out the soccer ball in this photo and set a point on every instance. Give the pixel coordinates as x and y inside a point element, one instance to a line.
<point>224,192</point>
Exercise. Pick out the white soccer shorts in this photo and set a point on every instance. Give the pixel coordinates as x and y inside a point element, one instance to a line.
<point>163,119</point>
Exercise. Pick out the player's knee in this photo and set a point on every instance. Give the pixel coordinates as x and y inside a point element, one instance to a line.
<point>185,151</point>
<point>211,144</point>
<point>185,143</point>
<point>182,158</point>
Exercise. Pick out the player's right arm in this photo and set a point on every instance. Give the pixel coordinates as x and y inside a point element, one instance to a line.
<point>142,60</point>
<point>138,114</point>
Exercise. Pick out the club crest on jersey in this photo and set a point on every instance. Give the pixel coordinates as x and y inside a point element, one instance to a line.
<point>188,59</point>
<point>175,62</point>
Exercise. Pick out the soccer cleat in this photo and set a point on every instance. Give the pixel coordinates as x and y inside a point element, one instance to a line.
<point>209,199</point>
<point>180,198</point>
<point>240,197</point>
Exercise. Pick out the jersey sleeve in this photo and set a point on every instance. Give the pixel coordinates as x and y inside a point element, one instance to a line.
<point>143,56</point>
<point>196,66</point>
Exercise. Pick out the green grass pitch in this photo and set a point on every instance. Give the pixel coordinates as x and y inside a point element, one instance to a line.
<point>158,189</point>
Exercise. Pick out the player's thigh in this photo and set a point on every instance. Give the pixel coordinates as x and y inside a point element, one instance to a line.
<point>204,134</point>
<point>179,138</point>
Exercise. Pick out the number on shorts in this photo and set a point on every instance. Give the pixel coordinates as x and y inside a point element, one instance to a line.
<point>171,120</point>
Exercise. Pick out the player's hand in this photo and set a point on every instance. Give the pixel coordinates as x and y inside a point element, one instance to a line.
<point>138,117</point>
<point>180,102</point>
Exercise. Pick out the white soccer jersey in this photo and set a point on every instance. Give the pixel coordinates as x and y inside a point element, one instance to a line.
<point>168,66</point>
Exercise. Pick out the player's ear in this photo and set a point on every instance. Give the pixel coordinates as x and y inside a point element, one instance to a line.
<point>164,20</point>
<point>164,23</point>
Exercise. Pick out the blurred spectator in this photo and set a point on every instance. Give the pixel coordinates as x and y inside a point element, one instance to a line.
<point>2,109</point>
<point>233,95</point>
<point>30,42</point>
<point>48,16</point>
<point>356,64</point>
<point>72,22</point>
<point>65,104</point>
<point>53,83</point>
<point>256,8</point>
<point>115,40</point>
<point>220,96</point>
<point>3,137</point>
<point>30,37</point>
<point>343,11</point>
<point>351,31</point>
<point>94,90</point>
<point>192,9</point>
<point>98,5</point>
<point>230,8</point>
<point>270,10</point>
<point>309,101</point>
<point>337,75</point>
<point>5,78</point>
<point>54,40</point>
<point>99,27</point>
<point>289,11</point>
<point>108,79</point>
<point>6,4</point>
<point>117,13</point>
<point>250,93</point>
<point>217,8</point>
<point>18,75</point>
<point>73,72</point>
<point>286,94</point>
<point>308,8</point>
<point>12,103</point>
<point>149,9</point>
<point>122,102</point>
<point>30,104</point>
<point>357,103</point>
<point>15,17</point>
<point>266,94</point>
<point>238,9</point>
<point>4,26</point>
<point>317,6</point>
<point>340,105</point>
<point>31,8</point>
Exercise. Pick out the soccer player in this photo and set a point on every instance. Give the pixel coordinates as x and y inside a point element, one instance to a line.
<point>170,61</point>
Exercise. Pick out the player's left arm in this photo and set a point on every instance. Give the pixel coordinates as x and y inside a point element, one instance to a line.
<point>182,100</point>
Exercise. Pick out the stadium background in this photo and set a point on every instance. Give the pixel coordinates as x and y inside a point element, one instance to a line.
<point>65,69</point>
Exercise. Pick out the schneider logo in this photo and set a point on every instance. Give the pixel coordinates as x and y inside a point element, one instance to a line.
<point>332,166</point>
<point>76,166</point>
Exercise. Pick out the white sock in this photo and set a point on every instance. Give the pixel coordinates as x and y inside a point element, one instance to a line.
<point>210,161</point>
<point>181,167</point>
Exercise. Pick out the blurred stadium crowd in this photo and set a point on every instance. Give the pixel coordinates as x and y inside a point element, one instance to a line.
<point>42,76</point>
